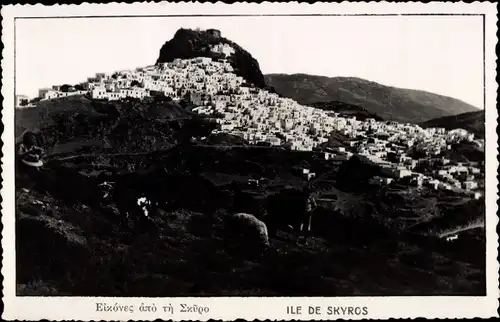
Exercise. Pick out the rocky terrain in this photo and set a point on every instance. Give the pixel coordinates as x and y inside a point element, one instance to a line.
<point>389,103</point>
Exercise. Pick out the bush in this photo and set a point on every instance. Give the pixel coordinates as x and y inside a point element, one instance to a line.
<point>136,83</point>
<point>66,88</point>
<point>355,173</point>
<point>160,96</point>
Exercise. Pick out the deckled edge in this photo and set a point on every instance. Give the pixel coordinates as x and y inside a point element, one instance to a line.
<point>3,115</point>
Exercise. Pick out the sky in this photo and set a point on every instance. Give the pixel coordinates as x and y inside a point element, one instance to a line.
<point>439,54</point>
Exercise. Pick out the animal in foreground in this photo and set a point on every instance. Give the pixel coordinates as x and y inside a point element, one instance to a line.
<point>248,231</point>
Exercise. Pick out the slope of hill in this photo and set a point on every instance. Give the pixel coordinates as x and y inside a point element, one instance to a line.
<point>470,121</point>
<point>188,43</point>
<point>390,103</point>
<point>69,246</point>
<point>224,139</point>
<point>73,123</point>
<point>346,110</point>
<point>46,112</point>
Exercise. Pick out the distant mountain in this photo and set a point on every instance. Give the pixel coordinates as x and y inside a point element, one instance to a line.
<point>390,103</point>
<point>188,43</point>
<point>470,121</point>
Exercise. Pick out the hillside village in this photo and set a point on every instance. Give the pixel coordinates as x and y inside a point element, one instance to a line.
<point>265,118</point>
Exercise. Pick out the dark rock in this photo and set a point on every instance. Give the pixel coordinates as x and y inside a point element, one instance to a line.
<point>188,43</point>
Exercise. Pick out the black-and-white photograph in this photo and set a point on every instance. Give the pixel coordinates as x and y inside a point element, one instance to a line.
<point>205,156</point>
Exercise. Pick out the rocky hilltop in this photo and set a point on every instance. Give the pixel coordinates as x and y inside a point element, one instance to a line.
<point>390,103</point>
<point>188,43</point>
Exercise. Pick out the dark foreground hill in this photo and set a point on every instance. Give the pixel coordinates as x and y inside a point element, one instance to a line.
<point>470,121</point>
<point>77,125</point>
<point>364,243</point>
<point>47,113</point>
<point>188,43</point>
<point>390,103</point>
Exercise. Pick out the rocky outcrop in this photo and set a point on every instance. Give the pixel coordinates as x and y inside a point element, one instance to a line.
<point>188,43</point>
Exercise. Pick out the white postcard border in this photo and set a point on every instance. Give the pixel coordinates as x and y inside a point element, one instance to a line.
<point>86,308</point>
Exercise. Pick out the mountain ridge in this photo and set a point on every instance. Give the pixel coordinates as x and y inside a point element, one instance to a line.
<point>390,103</point>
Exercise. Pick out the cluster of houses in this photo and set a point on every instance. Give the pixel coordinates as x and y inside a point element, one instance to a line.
<point>459,182</point>
<point>409,154</point>
<point>261,117</point>
<point>174,79</point>
<point>431,170</point>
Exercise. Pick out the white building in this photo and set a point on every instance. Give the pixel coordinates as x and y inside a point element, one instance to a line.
<point>22,101</point>
<point>224,49</point>
<point>47,93</point>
